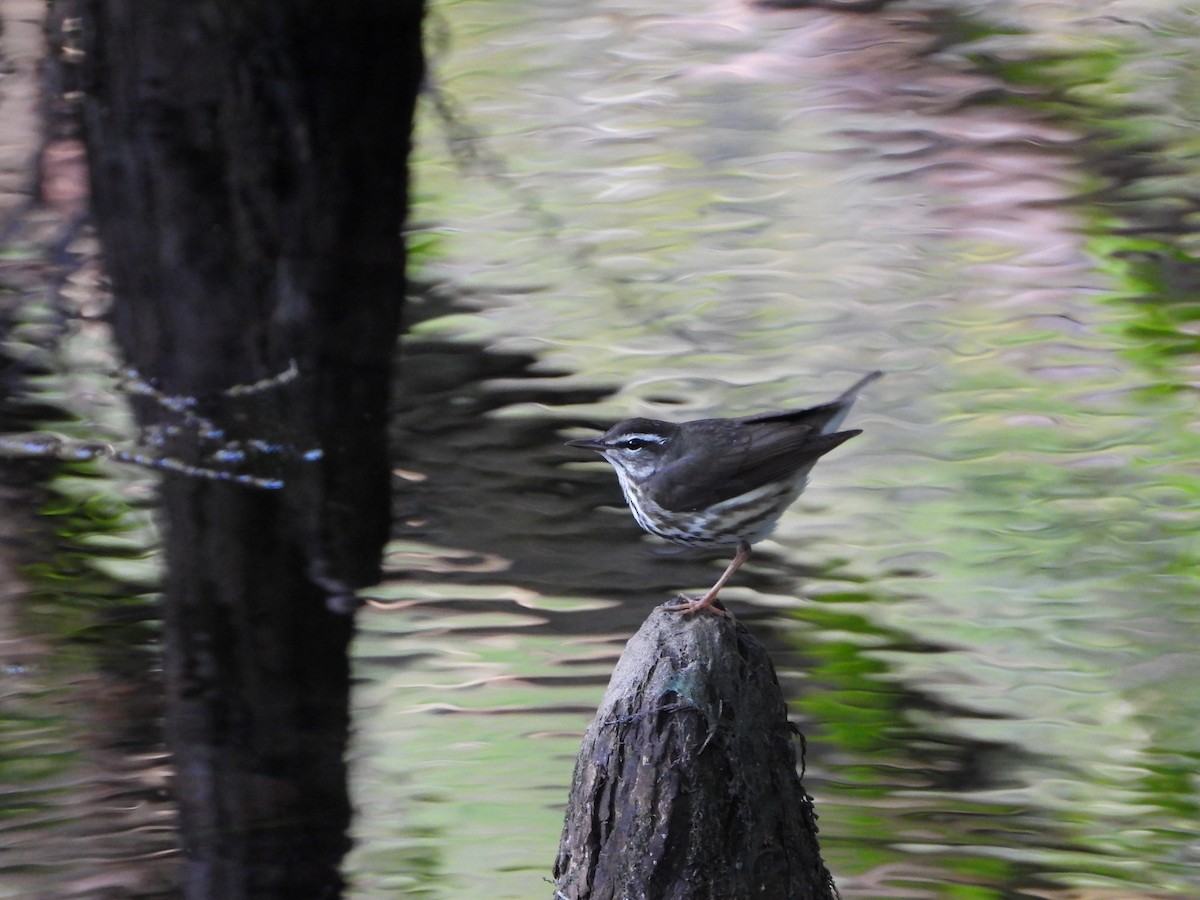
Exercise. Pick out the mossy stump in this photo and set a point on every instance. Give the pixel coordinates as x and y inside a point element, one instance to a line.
<point>686,786</point>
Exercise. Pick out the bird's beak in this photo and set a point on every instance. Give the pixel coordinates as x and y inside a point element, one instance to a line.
<point>588,444</point>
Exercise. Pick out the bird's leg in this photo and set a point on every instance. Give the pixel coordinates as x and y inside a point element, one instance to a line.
<point>691,605</point>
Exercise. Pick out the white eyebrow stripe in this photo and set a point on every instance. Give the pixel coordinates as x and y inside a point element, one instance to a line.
<point>648,438</point>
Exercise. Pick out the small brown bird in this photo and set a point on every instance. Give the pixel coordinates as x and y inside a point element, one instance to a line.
<point>720,482</point>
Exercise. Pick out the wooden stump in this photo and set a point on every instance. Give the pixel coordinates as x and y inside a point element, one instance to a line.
<point>686,785</point>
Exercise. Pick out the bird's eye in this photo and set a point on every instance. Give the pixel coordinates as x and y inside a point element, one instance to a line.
<point>633,444</point>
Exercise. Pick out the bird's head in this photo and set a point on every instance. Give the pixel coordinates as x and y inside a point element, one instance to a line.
<point>634,447</point>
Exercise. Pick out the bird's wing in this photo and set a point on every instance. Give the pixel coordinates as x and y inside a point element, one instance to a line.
<point>747,458</point>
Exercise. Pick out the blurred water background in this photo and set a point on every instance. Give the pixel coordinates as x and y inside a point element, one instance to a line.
<point>983,611</point>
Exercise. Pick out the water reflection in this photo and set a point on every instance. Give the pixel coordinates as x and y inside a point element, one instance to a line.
<point>85,801</point>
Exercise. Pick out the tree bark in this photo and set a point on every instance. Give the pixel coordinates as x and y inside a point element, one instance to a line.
<point>248,171</point>
<point>686,785</point>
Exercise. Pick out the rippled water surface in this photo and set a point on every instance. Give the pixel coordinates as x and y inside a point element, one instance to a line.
<point>979,606</point>
<point>984,610</point>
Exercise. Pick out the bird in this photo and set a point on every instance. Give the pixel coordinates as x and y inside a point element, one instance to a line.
<point>720,483</point>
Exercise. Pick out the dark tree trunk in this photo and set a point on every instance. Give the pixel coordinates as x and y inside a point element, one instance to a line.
<point>248,167</point>
<point>686,785</point>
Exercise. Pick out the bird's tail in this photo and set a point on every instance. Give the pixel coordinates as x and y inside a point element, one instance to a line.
<point>841,406</point>
<point>849,394</point>
<point>823,419</point>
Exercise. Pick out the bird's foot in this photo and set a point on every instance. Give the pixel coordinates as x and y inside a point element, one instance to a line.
<point>686,604</point>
